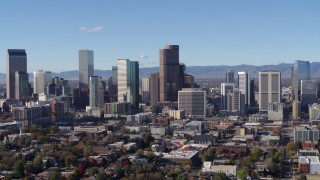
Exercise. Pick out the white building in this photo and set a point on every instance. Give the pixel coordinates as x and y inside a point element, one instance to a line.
<point>226,169</point>
<point>40,81</point>
<point>310,164</point>
<point>314,112</point>
<point>275,111</point>
<point>244,86</point>
<point>225,89</point>
<point>145,90</point>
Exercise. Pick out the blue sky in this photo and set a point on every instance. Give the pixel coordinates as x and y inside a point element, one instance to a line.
<point>209,32</point>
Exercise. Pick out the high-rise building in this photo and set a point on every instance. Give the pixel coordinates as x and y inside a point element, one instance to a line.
<point>269,88</point>
<point>169,75</point>
<point>145,90</point>
<point>40,81</point>
<point>128,81</point>
<point>236,102</point>
<point>229,77</point>
<point>225,89</point>
<point>252,93</point>
<point>86,67</point>
<point>301,71</point>
<point>154,88</point>
<point>96,92</point>
<point>308,93</point>
<point>275,111</point>
<point>244,86</point>
<point>16,61</point>
<point>193,102</point>
<point>296,110</point>
<point>188,81</point>
<point>22,85</point>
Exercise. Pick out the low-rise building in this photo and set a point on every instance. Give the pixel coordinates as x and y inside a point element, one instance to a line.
<point>309,164</point>
<point>226,169</point>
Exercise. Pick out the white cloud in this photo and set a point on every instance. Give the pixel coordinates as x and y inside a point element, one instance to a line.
<point>92,29</point>
<point>143,56</point>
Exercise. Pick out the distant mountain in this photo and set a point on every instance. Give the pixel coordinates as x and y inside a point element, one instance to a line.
<point>214,72</point>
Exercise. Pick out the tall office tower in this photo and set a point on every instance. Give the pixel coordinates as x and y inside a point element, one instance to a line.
<point>40,81</point>
<point>236,102</point>
<point>22,85</point>
<point>154,88</point>
<point>145,90</point>
<point>128,81</point>
<point>16,61</point>
<point>86,68</point>
<point>188,81</point>
<point>296,110</point>
<point>96,92</point>
<point>229,77</point>
<point>113,85</point>
<point>244,86</point>
<point>301,72</point>
<point>308,93</point>
<point>252,93</point>
<point>193,101</point>
<point>169,74</point>
<point>225,89</point>
<point>269,88</point>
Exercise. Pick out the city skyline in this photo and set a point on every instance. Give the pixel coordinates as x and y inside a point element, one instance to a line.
<point>208,33</point>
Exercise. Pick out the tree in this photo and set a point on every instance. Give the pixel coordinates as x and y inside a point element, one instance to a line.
<point>182,176</point>
<point>208,155</point>
<point>147,139</point>
<point>219,176</point>
<point>139,153</point>
<point>53,175</point>
<point>150,156</point>
<point>242,173</point>
<point>118,172</point>
<point>19,169</point>
<point>93,171</point>
<point>291,148</point>
<point>303,177</point>
<point>70,160</point>
<point>255,154</point>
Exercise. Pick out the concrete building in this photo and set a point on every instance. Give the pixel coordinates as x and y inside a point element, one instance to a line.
<point>229,77</point>
<point>296,110</point>
<point>16,61</point>
<point>308,133</point>
<point>113,85</point>
<point>309,164</point>
<point>115,109</point>
<point>22,85</point>
<point>244,86</point>
<point>96,91</point>
<point>308,93</point>
<point>269,88</point>
<point>301,71</point>
<point>225,89</point>
<point>236,102</point>
<point>145,90</point>
<point>154,88</point>
<point>275,111</point>
<point>314,112</point>
<point>169,75</point>
<point>128,81</point>
<point>40,81</point>
<point>193,102</point>
<point>208,167</point>
<point>86,67</point>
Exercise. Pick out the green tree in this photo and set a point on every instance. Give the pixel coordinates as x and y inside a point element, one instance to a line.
<point>93,171</point>
<point>147,139</point>
<point>219,176</point>
<point>19,169</point>
<point>303,177</point>
<point>208,155</point>
<point>139,153</point>
<point>242,173</point>
<point>182,176</point>
<point>54,175</point>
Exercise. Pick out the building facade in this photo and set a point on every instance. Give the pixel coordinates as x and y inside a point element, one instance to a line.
<point>16,61</point>
<point>301,71</point>
<point>128,81</point>
<point>244,86</point>
<point>225,89</point>
<point>86,67</point>
<point>96,92</point>
<point>40,81</point>
<point>269,88</point>
<point>229,77</point>
<point>22,85</point>
<point>193,102</point>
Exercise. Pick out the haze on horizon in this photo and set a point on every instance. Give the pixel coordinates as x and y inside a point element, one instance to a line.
<point>208,33</point>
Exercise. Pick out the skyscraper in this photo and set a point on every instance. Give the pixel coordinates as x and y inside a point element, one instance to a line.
<point>301,71</point>
<point>154,88</point>
<point>40,81</point>
<point>22,85</point>
<point>225,89</point>
<point>145,90</point>
<point>113,85</point>
<point>169,73</point>
<point>16,61</point>
<point>193,101</point>
<point>269,88</point>
<point>229,77</point>
<point>128,81</point>
<point>96,92</point>
<point>308,93</point>
<point>244,86</point>
<point>86,68</point>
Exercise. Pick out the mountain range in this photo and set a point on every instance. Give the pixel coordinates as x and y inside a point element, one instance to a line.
<point>199,72</point>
